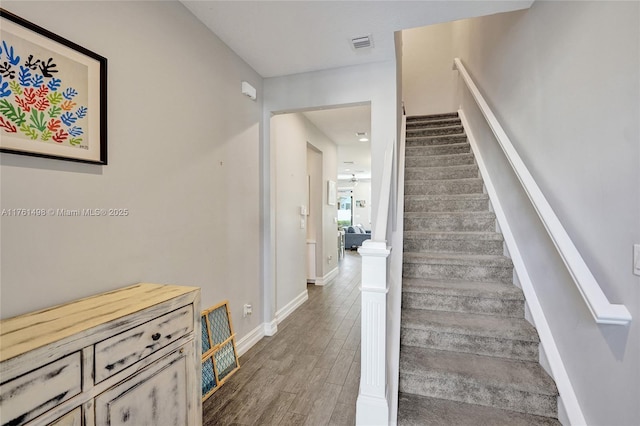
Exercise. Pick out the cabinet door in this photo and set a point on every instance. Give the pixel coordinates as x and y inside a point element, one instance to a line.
<point>73,418</point>
<point>157,395</point>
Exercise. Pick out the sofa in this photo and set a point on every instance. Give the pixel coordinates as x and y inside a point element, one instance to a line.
<point>354,236</point>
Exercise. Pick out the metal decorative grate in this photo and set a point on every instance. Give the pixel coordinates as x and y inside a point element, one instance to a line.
<point>206,344</point>
<point>209,381</point>
<point>219,355</point>
<point>226,360</point>
<point>220,328</point>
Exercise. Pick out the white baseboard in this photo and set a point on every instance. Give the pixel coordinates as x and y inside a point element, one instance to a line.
<point>569,409</point>
<point>288,309</point>
<point>247,342</point>
<point>328,277</point>
<point>270,328</point>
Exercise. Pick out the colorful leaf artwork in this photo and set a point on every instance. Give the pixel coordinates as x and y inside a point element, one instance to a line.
<point>35,102</point>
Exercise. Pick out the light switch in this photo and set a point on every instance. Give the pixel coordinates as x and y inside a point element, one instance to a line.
<point>636,259</point>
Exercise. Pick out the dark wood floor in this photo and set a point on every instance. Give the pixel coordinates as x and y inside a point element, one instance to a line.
<point>309,372</point>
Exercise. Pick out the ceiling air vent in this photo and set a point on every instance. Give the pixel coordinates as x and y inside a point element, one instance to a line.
<point>362,42</point>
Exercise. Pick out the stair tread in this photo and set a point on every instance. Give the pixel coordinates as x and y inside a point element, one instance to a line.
<point>488,289</point>
<point>413,120</point>
<point>417,148</point>
<point>425,124</point>
<point>453,235</point>
<point>447,197</point>
<point>416,410</point>
<point>415,138</point>
<point>444,168</point>
<point>442,156</point>
<point>434,182</point>
<point>457,259</point>
<point>448,214</point>
<point>432,116</point>
<point>470,324</point>
<point>442,126</point>
<point>525,376</point>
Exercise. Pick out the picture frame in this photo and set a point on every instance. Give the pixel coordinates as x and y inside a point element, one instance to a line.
<point>331,193</point>
<point>53,95</point>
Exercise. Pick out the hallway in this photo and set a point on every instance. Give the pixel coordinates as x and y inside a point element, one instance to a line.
<point>309,372</point>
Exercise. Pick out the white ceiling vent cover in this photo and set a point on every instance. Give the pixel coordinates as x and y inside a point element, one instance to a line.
<point>362,42</point>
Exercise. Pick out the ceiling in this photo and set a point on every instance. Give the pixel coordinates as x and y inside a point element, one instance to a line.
<point>287,37</point>
<point>279,38</point>
<point>341,125</point>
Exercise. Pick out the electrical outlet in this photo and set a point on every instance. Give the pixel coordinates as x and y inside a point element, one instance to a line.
<point>636,259</point>
<point>248,310</point>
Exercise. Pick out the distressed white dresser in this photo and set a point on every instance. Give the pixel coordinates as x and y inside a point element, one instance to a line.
<point>127,357</point>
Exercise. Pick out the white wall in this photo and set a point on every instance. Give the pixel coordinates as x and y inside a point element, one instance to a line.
<point>183,158</point>
<point>316,188</point>
<point>564,80</point>
<point>362,215</point>
<point>342,86</point>
<point>430,86</point>
<point>290,134</point>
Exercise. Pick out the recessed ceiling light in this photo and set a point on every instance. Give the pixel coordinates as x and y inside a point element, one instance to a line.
<point>363,140</point>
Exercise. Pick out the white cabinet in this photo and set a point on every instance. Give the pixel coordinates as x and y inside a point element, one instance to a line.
<point>127,357</point>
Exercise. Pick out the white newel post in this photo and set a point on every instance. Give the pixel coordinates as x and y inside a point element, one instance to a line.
<point>372,407</point>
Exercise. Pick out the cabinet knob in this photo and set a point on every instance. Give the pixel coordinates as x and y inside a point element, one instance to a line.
<point>155,336</point>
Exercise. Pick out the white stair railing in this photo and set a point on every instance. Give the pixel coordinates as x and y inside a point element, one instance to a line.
<point>603,311</point>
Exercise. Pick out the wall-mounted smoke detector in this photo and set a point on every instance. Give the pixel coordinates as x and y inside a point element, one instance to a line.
<point>362,42</point>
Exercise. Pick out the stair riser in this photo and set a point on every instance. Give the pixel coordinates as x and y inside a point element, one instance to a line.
<point>435,140</point>
<point>453,246</point>
<point>452,187</point>
<point>458,272</point>
<point>459,388</point>
<point>439,173</point>
<point>479,345</point>
<point>449,130</point>
<point>445,205</point>
<point>440,160</point>
<point>437,150</point>
<point>434,123</point>
<point>451,223</point>
<point>473,305</point>
<point>432,117</point>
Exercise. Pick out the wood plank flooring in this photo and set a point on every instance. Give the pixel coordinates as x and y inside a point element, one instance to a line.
<point>309,372</point>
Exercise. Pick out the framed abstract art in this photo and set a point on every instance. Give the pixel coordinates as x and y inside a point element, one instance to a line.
<point>53,95</point>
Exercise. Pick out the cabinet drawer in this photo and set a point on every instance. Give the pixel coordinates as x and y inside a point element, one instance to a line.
<point>32,394</point>
<point>127,348</point>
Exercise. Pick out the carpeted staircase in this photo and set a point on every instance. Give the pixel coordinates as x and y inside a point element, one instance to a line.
<point>468,356</point>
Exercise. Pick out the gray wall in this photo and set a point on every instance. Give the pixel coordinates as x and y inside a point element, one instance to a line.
<point>563,79</point>
<point>290,134</point>
<point>183,158</point>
